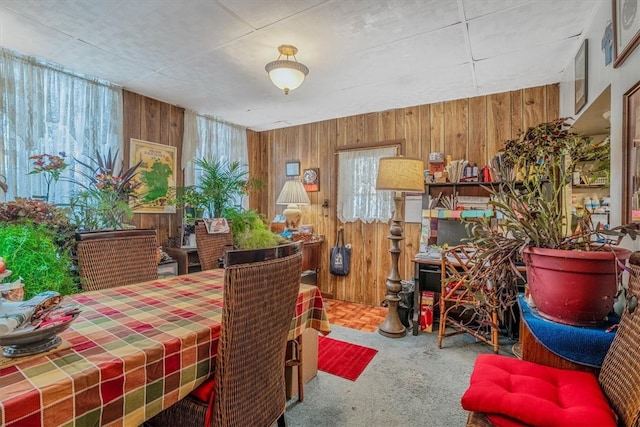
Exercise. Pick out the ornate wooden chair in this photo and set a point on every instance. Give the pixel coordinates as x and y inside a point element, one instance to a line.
<point>558,396</point>
<point>211,247</point>
<point>107,259</point>
<point>459,307</point>
<point>248,387</point>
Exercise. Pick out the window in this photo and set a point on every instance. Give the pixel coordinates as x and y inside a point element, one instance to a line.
<point>48,110</point>
<point>210,138</point>
<point>358,198</point>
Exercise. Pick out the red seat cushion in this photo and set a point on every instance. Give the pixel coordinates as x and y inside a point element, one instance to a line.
<point>536,394</point>
<point>205,391</point>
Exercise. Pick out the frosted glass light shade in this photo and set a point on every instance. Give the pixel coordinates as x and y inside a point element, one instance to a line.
<point>284,73</point>
<point>400,174</point>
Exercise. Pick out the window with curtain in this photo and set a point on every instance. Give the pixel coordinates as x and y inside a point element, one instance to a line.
<point>358,198</point>
<point>48,110</point>
<point>212,139</point>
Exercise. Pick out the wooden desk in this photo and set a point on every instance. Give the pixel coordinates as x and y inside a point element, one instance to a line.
<point>136,350</point>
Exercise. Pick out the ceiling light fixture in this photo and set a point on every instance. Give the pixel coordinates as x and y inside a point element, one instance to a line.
<point>284,73</point>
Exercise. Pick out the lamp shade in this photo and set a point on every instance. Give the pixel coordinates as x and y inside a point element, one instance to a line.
<point>285,73</point>
<point>293,192</point>
<point>400,174</point>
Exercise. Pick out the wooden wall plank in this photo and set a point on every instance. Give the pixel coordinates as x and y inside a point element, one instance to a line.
<point>411,134</point>
<point>478,150</point>
<point>456,128</point>
<point>534,109</point>
<point>425,132</point>
<point>498,121</point>
<point>438,144</point>
<point>553,101</point>
<point>517,108</point>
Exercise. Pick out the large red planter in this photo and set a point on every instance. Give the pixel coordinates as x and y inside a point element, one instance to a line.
<point>573,287</point>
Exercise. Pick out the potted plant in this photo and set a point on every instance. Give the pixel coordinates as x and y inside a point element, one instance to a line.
<point>572,273</point>
<point>191,200</point>
<point>222,183</point>
<point>249,229</point>
<point>107,191</point>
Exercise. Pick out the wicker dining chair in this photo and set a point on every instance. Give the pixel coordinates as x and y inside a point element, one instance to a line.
<point>294,346</point>
<point>460,311</point>
<point>107,259</point>
<point>618,380</point>
<point>248,386</point>
<point>211,247</point>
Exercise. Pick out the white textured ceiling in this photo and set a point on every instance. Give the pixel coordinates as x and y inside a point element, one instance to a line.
<point>363,55</point>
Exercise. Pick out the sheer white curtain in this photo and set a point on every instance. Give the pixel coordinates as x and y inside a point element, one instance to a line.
<point>358,198</point>
<point>212,139</point>
<point>45,109</point>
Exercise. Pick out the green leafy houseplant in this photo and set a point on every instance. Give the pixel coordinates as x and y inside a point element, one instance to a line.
<point>221,183</point>
<point>54,219</point>
<point>31,254</point>
<point>249,229</point>
<point>190,197</point>
<point>532,213</point>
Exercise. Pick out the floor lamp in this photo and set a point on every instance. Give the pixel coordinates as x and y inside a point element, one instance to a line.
<point>399,174</point>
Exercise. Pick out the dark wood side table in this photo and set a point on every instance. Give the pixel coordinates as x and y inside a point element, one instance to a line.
<point>311,252</point>
<point>187,259</point>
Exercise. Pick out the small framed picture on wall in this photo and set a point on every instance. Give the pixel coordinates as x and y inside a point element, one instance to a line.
<point>292,168</point>
<point>626,29</point>
<point>311,179</point>
<point>581,76</point>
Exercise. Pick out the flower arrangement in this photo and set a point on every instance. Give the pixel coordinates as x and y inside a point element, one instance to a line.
<point>51,166</point>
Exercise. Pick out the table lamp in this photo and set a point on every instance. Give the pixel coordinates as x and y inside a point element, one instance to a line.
<point>399,174</point>
<point>292,195</point>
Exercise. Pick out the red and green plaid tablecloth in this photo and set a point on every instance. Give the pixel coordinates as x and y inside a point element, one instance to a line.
<point>137,349</point>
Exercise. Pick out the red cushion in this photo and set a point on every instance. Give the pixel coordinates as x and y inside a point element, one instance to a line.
<point>205,391</point>
<point>536,394</point>
<point>499,420</point>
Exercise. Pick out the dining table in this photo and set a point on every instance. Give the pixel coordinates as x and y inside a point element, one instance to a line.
<point>133,351</point>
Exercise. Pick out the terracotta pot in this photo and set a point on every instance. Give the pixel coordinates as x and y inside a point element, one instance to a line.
<point>573,287</point>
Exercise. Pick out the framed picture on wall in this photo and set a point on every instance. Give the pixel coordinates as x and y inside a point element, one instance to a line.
<point>626,29</point>
<point>292,168</point>
<point>631,140</point>
<point>580,77</point>
<point>157,174</point>
<point>311,179</point>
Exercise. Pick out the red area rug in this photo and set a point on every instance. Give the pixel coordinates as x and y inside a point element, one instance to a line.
<point>343,359</point>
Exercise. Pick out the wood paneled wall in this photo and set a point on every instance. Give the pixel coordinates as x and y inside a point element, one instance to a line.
<point>472,129</point>
<point>154,121</point>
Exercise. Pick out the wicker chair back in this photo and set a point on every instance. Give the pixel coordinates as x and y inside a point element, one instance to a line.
<point>211,247</point>
<point>107,259</point>
<point>620,372</point>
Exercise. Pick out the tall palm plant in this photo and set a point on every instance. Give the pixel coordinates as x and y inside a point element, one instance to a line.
<point>222,182</point>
